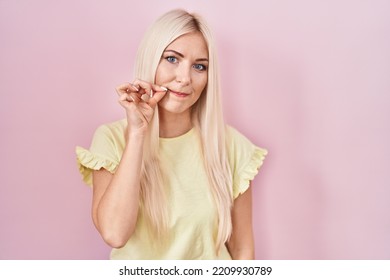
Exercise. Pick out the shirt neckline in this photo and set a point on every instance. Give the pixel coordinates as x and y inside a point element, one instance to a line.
<point>178,138</point>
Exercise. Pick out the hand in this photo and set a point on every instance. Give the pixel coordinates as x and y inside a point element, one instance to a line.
<point>139,100</point>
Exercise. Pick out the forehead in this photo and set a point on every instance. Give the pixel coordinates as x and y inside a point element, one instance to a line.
<point>190,44</point>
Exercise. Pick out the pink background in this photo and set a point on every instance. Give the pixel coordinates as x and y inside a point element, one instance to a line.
<point>308,80</point>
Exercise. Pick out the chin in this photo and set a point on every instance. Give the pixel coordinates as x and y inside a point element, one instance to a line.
<point>172,110</point>
<point>173,106</point>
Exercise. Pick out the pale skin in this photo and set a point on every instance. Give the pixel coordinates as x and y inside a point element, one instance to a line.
<point>115,205</point>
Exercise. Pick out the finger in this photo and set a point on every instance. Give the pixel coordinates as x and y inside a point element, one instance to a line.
<point>129,97</point>
<point>156,88</point>
<point>122,88</point>
<point>125,99</point>
<point>125,88</point>
<point>158,95</point>
<point>145,97</point>
<point>144,87</point>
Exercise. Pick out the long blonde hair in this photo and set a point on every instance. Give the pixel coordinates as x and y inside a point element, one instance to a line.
<point>207,118</point>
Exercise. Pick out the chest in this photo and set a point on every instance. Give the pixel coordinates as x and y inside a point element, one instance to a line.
<point>189,194</point>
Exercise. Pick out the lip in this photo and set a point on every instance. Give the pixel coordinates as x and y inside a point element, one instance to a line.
<point>178,94</point>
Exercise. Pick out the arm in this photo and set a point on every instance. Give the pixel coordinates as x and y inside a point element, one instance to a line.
<point>241,243</point>
<point>116,197</point>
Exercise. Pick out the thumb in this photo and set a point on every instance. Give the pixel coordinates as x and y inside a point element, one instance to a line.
<point>159,93</point>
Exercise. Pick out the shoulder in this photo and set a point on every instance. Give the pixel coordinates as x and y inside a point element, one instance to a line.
<point>245,159</point>
<point>117,127</point>
<point>233,133</point>
<point>105,150</point>
<point>241,150</point>
<point>110,135</point>
<point>114,130</point>
<point>235,139</point>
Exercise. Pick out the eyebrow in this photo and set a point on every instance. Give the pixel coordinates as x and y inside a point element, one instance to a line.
<point>182,56</point>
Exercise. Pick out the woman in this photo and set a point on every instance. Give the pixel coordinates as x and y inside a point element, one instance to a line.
<point>171,181</point>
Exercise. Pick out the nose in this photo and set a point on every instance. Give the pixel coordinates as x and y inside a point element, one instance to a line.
<point>183,74</point>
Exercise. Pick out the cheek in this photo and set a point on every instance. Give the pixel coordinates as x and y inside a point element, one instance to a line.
<point>158,77</point>
<point>201,83</point>
<point>162,74</point>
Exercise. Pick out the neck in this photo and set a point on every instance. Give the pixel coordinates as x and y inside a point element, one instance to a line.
<point>174,125</point>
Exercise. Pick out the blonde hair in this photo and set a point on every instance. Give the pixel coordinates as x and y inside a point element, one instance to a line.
<point>207,119</point>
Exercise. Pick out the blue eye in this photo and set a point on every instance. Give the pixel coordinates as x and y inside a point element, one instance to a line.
<point>200,67</point>
<point>171,59</point>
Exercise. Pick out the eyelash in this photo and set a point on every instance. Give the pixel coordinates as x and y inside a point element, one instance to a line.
<point>195,66</point>
<point>204,67</point>
<point>169,58</point>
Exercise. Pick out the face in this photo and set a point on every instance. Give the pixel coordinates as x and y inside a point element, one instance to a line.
<point>183,70</point>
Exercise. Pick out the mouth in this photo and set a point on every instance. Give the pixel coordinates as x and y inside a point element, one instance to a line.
<point>178,93</point>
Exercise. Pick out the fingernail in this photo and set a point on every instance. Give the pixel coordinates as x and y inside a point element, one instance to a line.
<point>145,97</point>
<point>137,89</point>
<point>151,93</point>
<point>164,88</point>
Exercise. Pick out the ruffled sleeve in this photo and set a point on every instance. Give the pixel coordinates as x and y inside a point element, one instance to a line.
<point>105,151</point>
<point>87,162</point>
<point>249,171</point>
<point>245,160</point>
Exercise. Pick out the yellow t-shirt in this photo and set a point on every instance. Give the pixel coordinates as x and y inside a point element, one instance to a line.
<point>193,216</point>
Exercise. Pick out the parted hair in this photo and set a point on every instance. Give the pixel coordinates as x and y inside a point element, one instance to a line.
<point>207,118</point>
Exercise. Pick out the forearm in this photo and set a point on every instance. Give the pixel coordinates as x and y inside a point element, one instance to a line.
<point>245,254</point>
<point>117,211</point>
<point>243,251</point>
<point>241,243</point>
